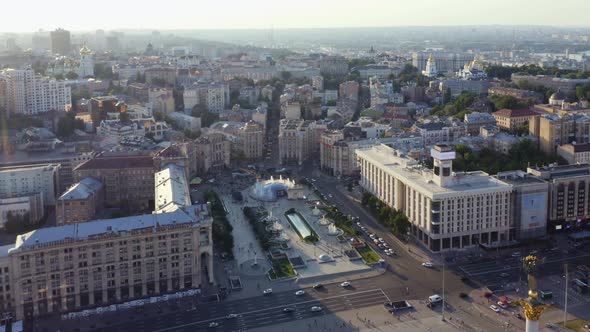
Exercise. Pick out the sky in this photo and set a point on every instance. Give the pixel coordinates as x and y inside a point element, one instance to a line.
<point>263,14</point>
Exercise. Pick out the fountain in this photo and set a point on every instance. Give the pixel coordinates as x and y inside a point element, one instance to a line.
<point>324,221</point>
<point>334,231</point>
<point>316,212</point>
<point>269,190</point>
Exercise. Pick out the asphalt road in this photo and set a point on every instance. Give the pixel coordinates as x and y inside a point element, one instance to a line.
<point>255,311</point>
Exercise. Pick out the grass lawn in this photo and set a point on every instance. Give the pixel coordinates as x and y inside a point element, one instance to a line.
<point>575,325</point>
<point>282,268</point>
<point>368,254</point>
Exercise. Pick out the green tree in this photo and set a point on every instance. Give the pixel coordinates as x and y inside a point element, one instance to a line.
<point>71,75</point>
<point>447,96</point>
<point>207,118</point>
<point>67,124</point>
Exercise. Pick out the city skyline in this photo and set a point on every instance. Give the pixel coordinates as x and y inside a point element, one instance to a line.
<point>248,15</point>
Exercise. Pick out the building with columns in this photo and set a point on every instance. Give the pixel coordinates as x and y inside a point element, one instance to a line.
<point>447,210</point>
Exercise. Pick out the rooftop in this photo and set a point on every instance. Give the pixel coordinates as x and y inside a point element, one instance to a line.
<point>192,216</point>
<point>82,189</point>
<point>515,113</point>
<point>518,178</point>
<point>421,178</point>
<point>117,162</point>
<point>171,189</point>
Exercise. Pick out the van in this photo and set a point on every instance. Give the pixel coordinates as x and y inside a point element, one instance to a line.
<point>434,298</point>
<point>545,294</point>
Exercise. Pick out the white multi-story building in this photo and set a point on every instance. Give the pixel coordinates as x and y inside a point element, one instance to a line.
<point>447,210</point>
<point>215,96</point>
<point>29,93</point>
<point>185,121</point>
<point>31,205</point>
<point>24,180</point>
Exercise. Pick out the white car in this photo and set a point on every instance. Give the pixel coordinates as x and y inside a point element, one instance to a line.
<point>213,324</point>
<point>345,284</point>
<point>358,224</point>
<point>267,291</point>
<point>316,308</point>
<point>372,236</point>
<point>230,316</point>
<point>388,252</point>
<point>300,292</point>
<point>496,309</point>
<point>381,240</point>
<point>427,264</point>
<point>502,305</point>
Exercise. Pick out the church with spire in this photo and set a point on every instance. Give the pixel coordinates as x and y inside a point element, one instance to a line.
<point>86,62</point>
<point>430,70</point>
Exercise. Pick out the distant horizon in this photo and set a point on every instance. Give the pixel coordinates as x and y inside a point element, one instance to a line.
<point>302,28</point>
<point>306,14</point>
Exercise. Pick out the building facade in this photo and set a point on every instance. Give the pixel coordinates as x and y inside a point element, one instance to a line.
<point>80,203</point>
<point>212,151</point>
<point>128,180</point>
<point>29,93</point>
<point>513,119</point>
<point>16,181</point>
<point>575,153</point>
<point>251,140</point>
<point>569,198</point>
<point>30,206</point>
<point>60,42</point>
<point>446,210</point>
<point>73,267</point>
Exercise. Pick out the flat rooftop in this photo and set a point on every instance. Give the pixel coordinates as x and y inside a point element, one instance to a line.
<point>171,189</point>
<point>109,227</point>
<point>420,178</point>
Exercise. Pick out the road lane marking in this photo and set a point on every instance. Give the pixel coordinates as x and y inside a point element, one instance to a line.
<point>266,309</point>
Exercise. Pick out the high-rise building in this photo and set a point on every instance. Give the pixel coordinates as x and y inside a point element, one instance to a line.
<point>554,130</point>
<point>446,210</point>
<point>251,140</point>
<point>214,96</point>
<point>60,42</point>
<point>29,93</point>
<point>213,151</point>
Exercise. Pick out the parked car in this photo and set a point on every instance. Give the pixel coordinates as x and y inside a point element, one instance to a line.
<point>496,309</point>
<point>317,286</point>
<point>300,292</point>
<point>345,284</point>
<point>213,324</point>
<point>502,305</point>
<point>267,291</point>
<point>381,240</point>
<point>316,308</point>
<point>427,264</point>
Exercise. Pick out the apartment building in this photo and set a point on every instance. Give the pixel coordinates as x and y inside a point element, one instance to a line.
<point>334,65</point>
<point>299,140</point>
<point>80,202</point>
<point>447,210</point>
<point>30,205</point>
<point>476,120</point>
<point>128,180</point>
<point>349,90</point>
<point>28,93</point>
<point>440,132</point>
<point>251,140</point>
<point>554,130</point>
<point>215,96</point>
<point>213,151</point>
<point>17,181</point>
<point>513,119</point>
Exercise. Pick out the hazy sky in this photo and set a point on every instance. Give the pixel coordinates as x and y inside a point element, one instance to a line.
<point>22,15</point>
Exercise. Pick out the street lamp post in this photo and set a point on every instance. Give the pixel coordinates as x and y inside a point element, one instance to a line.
<point>443,288</point>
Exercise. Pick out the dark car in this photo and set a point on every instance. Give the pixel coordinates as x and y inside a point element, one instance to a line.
<point>289,310</point>
<point>318,286</point>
